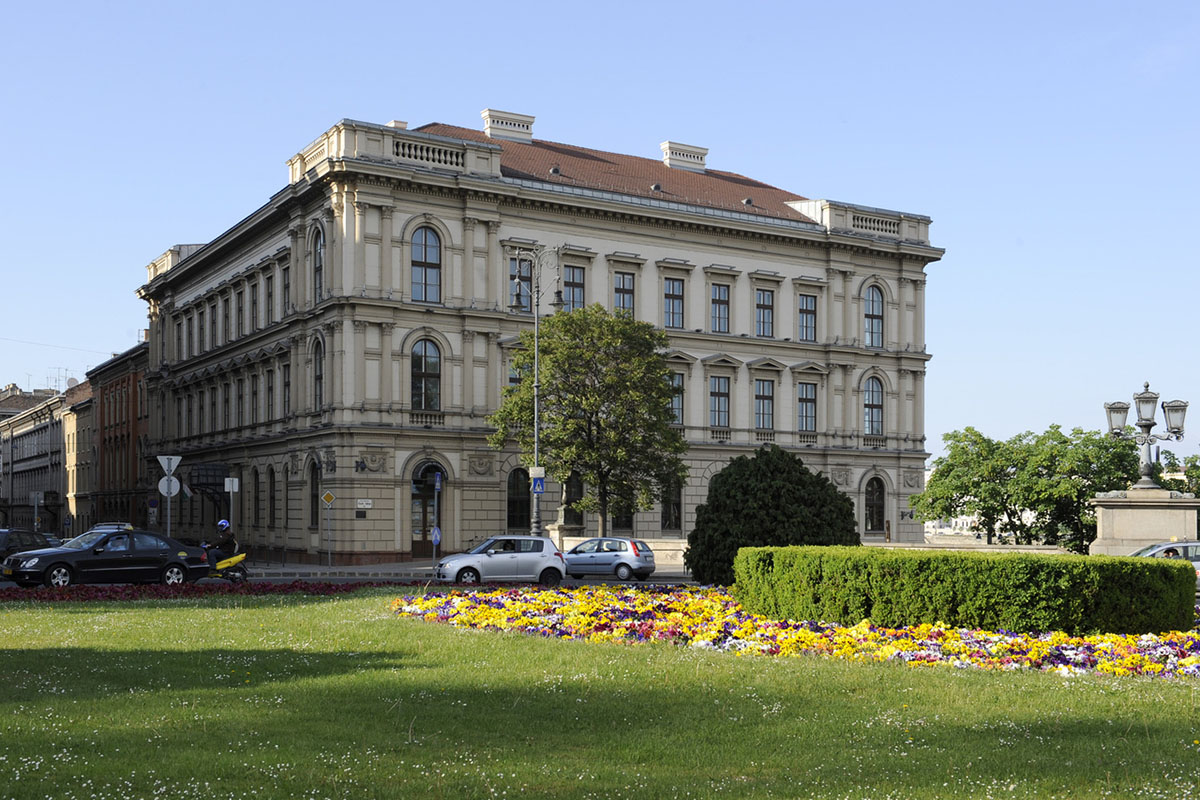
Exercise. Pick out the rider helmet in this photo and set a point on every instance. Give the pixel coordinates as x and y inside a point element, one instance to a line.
<point>223,525</point>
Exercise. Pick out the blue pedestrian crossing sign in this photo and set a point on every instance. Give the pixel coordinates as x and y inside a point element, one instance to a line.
<point>539,485</point>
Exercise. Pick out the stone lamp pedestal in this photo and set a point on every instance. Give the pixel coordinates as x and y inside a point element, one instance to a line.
<point>1131,519</point>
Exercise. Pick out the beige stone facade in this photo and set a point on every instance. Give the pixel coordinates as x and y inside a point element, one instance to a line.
<point>354,333</point>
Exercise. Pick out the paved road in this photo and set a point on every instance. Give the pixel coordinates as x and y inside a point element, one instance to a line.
<point>404,572</point>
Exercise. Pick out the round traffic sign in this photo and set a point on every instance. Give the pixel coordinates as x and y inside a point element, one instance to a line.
<point>168,486</point>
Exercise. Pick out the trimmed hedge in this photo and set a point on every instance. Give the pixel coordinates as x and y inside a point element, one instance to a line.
<point>1019,592</point>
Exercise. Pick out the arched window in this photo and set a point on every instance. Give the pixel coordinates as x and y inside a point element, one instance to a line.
<point>426,376</point>
<point>873,506</point>
<point>271,497</point>
<point>426,266</point>
<point>873,407</point>
<point>572,491</point>
<point>518,500</point>
<point>873,317</point>
<point>318,376</point>
<point>318,264</point>
<point>314,495</point>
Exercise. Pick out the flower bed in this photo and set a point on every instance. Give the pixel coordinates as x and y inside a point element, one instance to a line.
<point>710,618</point>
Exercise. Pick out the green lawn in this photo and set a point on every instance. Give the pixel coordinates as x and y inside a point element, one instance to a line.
<point>334,697</point>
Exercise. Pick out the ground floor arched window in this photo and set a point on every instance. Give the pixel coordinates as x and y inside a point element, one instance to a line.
<point>426,506</point>
<point>873,505</point>
<point>518,500</point>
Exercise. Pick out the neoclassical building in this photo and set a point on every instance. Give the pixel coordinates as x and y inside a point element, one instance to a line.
<point>343,344</point>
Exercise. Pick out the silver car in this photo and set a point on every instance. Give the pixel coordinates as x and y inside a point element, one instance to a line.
<point>506,558</point>
<point>619,557</point>
<point>1189,551</point>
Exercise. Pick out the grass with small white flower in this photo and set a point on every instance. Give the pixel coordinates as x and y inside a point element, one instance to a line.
<point>314,696</point>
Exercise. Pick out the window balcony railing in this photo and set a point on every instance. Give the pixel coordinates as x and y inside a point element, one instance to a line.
<point>874,441</point>
<point>806,438</point>
<point>720,434</point>
<point>764,436</point>
<point>428,419</point>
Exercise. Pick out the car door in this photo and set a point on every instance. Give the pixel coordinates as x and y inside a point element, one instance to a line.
<point>582,558</point>
<point>108,561</point>
<point>148,557</point>
<point>1192,553</point>
<point>606,556</point>
<point>530,558</point>
<point>499,563</point>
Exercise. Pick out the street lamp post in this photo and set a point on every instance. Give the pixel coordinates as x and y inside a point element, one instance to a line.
<point>533,256</point>
<point>1145,401</point>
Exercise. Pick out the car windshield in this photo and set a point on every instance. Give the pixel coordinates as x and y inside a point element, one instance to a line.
<point>85,540</point>
<point>483,548</point>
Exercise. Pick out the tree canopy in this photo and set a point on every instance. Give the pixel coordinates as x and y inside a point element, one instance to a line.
<point>767,500</point>
<point>605,407</point>
<point>1034,487</point>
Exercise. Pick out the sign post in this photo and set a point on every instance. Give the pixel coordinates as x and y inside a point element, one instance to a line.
<point>231,486</point>
<point>437,504</point>
<point>328,499</point>
<point>168,464</point>
<point>168,487</point>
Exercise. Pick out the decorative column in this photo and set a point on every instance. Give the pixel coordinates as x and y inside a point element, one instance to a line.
<point>497,275</point>
<point>919,316</point>
<point>467,378</point>
<point>332,217</point>
<point>386,367</point>
<point>356,364</point>
<point>387,273</point>
<point>849,425</point>
<point>359,284</point>
<point>465,281</point>
<point>296,261</point>
<point>850,332</point>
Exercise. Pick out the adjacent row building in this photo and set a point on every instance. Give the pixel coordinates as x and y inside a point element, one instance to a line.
<point>318,363</point>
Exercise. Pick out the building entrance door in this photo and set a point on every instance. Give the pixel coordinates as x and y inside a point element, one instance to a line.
<point>426,508</point>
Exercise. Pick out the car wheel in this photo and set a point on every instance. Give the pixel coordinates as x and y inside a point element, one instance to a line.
<point>468,575</point>
<point>550,577</point>
<point>173,575</point>
<point>59,575</point>
<point>624,573</point>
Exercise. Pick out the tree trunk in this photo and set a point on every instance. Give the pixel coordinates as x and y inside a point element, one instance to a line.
<point>602,495</point>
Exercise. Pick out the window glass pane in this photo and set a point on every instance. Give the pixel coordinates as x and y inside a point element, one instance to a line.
<point>718,401</point>
<point>764,312</point>
<point>807,399</point>
<point>572,288</point>
<point>426,266</point>
<point>520,284</point>
<point>720,308</point>
<point>623,291</point>
<point>677,398</point>
<point>764,404</point>
<point>673,302</point>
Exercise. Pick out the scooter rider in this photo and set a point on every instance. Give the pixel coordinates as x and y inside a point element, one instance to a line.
<point>221,549</point>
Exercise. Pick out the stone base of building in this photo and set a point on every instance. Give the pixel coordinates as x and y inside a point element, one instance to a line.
<point>1126,521</point>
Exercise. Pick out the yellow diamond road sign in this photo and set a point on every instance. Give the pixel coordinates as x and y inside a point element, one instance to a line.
<point>328,498</point>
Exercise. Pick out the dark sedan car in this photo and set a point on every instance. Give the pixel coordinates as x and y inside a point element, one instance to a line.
<point>122,556</point>
<point>13,540</point>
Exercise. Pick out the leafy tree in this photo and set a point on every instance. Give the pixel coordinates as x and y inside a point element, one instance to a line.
<point>604,398</point>
<point>1035,487</point>
<point>770,499</point>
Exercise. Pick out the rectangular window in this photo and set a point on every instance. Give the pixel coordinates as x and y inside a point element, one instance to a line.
<point>672,302</point>
<point>253,399</point>
<point>179,340</point>
<point>213,337</point>
<point>718,401</point>
<point>190,340</point>
<point>212,409</point>
<point>269,289</point>
<point>201,330</point>
<point>623,292</point>
<point>806,400</point>
<point>677,398</point>
<point>240,407</point>
<point>572,288</point>
<point>188,422</point>
<point>672,507</point>
<point>285,280</point>
<point>200,411</point>
<point>241,313</point>
<point>225,401</point>
<point>254,306</point>
<point>764,405</point>
<point>807,304</point>
<point>520,284</point>
<point>286,380</point>
<point>178,417</point>
<point>764,312</point>
<point>270,394</point>
<point>623,521</point>
<point>225,319</point>
<point>720,308</point>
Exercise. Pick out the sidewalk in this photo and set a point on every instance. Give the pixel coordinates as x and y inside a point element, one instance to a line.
<point>398,571</point>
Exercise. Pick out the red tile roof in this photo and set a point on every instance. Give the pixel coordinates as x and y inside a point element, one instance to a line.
<point>632,175</point>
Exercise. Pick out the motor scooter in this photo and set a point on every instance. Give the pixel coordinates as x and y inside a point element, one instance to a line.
<point>231,568</point>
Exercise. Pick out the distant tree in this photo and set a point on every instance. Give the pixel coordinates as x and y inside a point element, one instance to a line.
<point>1034,487</point>
<point>768,499</point>
<point>605,407</point>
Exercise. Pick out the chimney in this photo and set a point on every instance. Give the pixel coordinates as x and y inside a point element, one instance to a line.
<point>684,156</point>
<point>507,125</point>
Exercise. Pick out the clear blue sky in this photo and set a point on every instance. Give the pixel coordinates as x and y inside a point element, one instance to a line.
<point>1055,146</point>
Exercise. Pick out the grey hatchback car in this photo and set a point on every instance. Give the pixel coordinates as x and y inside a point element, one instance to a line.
<point>619,557</point>
<point>506,558</point>
<point>1189,551</point>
